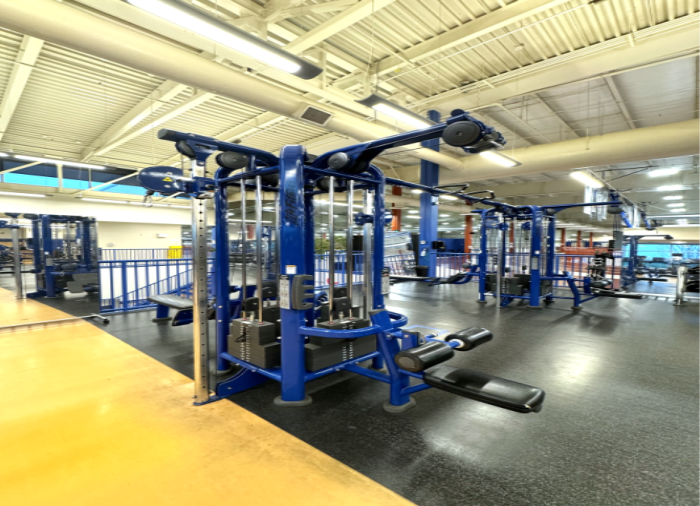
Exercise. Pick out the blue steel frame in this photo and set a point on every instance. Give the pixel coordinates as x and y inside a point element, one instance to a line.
<point>296,177</point>
<point>46,269</point>
<point>506,217</point>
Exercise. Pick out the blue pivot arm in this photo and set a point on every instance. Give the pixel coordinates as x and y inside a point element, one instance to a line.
<point>459,130</point>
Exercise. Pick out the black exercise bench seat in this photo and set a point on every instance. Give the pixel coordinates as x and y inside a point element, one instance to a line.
<point>173,301</point>
<point>486,388</point>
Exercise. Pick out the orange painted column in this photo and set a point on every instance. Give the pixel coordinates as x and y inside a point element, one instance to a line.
<point>512,238</point>
<point>578,239</point>
<point>563,238</point>
<point>251,232</point>
<point>468,223</point>
<point>590,240</point>
<point>396,213</point>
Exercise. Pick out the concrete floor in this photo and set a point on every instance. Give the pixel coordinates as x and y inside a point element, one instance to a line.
<point>619,426</point>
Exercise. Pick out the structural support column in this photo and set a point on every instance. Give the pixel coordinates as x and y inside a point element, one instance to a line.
<point>563,238</point>
<point>468,226</point>
<point>590,240</point>
<point>578,239</point>
<point>396,213</point>
<point>429,176</point>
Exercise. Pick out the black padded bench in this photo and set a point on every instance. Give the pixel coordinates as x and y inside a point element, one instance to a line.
<point>486,388</point>
<point>166,302</point>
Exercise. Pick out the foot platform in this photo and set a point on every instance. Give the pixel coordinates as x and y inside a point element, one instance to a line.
<point>486,388</point>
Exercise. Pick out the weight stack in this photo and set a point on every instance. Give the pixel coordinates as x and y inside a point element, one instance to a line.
<point>254,342</point>
<point>356,310</point>
<point>319,357</point>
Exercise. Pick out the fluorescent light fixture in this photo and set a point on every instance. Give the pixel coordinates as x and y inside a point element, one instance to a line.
<point>105,201</point>
<point>448,197</point>
<point>201,23</point>
<point>395,111</point>
<point>676,205</point>
<point>4,154</point>
<point>663,172</point>
<point>61,162</point>
<point>678,210</point>
<point>500,159</point>
<point>673,197</point>
<point>408,226</point>
<point>413,212</point>
<point>414,217</point>
<point>587,179</point>
<point>670,188</point>
<point>444,215</point>
<point>682,222</point>
<point>416,191</point>
<point>15,194</point>
<point>673,216</point>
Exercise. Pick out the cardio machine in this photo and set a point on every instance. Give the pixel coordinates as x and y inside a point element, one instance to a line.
<point>301,348</point>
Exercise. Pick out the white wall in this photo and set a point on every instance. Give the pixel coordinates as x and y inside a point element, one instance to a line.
<point>137,235</point>
<point>678,233</point>
<point>60,204</point>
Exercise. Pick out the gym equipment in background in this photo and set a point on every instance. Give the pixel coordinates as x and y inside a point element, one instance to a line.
<point>295,348</point>
<point>13,257</point>
<point>523,267</point>
<point>65,254</point>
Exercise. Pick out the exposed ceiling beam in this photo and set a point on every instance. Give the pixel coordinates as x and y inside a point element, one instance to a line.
<point>150,104</point>
<point>555,115</point>
<point>19,168</point>
<point>670,40</point>
<point>195,100</point>
<point>618,100</point>
<point>336,24</point>
<point>24,64</point>
<point>304,10</point>
<point>481,26</point>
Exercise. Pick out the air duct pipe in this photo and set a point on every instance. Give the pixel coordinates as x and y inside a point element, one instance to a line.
<point>664,141</point>
<point>61,24</point>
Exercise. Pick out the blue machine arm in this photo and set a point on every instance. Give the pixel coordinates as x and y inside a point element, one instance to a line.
<point>460,130</point>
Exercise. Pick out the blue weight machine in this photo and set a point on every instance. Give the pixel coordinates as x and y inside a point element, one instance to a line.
<point>634,267</point>
<point>65,254</point>
<point>296,348</point>
<point>526,270</point>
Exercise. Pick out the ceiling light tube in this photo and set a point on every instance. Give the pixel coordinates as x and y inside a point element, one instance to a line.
<point>586,179</point>
<point>59,162</point>
<point>500,158</point>
<point>663,172</point>
<point>201,23</point>
<point>673,216</point>
<point>448,197</point>
<point>673,197</point>
<point>16,194</point>
<point>4,154</point>
<point>395,111</point>
<point>105,201</point>
<point>670,188</point>
<point>676,205</point>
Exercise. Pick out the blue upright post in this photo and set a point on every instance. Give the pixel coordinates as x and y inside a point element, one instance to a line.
<point>221,278</point>
<point>483,256</point>
<point>293,262</point>
<point>429,176</point>
<point>535,256</point>
<point>47,251</point>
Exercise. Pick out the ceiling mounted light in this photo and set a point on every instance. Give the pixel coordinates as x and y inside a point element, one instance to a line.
<point>59,162</point>
<point>201,23</point>
<point>413,212</point>
<point>448,197</point>
<point>673,197</point>
<point>416,191</point>
<point>414,217</point>
<point>16,194</point>
<point>682,210</point>
<point>500,158</point>
<point>676,205</point>
<point>670,188</point>
<point>4,154</point>
<point>587,179</point>
<point>105,201</point>
<point>663,172</point>
<point>673,216</point>
<point>395,111</point>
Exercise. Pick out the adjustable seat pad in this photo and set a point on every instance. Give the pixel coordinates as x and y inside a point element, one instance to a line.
<point>486,388</point>
<point>173,301</point>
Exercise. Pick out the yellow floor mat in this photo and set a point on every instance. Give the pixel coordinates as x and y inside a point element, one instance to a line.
<point>88,420</point>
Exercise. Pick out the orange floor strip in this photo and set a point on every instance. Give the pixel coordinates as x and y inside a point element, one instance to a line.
<point>88,420</point>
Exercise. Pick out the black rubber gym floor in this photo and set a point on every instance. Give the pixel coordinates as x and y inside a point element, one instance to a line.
<point>619,426</point>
